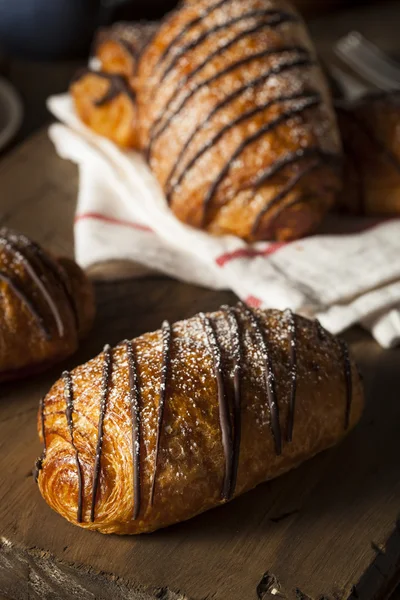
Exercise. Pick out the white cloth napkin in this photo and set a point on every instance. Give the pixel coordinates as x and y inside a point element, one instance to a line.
<point>339,278</point>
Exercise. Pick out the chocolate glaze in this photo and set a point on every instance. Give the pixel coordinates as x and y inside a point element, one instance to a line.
<point>39,461</point>
<point>186,28</point>
<point>220,50</point>
<point>166,330</point>
<point>230,98</point>
<point>105,385</point>
<point>42,424</point>
<point>276,19</point>
<point>224,415</point>
<point>69,407</point>
<point>348,379</point>
<point>269,377</point>
<point>134,392</point>
<point>49,263</point>
<point>292,183</point>
<point>240,119</point>
<point>235,334</point>
<point>118,85</point>
<point>293,371</point>
<point>28,303</point>
<point>301,198</point>
<point>265,129</point>
<point>303,61</point>
<point>293,157</point>
<point>59,275</point>
<point>15,250</point>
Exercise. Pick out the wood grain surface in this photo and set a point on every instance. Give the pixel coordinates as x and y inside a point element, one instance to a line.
<point>326,531</point>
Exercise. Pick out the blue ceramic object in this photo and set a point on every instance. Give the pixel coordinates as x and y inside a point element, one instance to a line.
<point>50,29</point>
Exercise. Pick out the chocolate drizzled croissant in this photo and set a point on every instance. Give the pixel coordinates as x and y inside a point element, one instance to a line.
<point>183,419</point>
<point>370,130</point>
<point>232,113</point>
<point>46,306</point>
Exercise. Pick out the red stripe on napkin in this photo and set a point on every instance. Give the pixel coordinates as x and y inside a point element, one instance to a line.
<point>248,253</point>
<point>111,220</point>
<point>253,301</point>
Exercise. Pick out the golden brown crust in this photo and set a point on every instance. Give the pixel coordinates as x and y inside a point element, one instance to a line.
<point>119,47</point>
<point>370,130</point>
<point>46,306</point>
<point>106,104</point>
<point>105,100</point>
<point>192,468</point>
<point>234,116</point>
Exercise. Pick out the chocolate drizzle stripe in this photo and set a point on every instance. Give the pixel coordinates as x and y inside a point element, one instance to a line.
<point>105,386</point>
<point>348,380</point>
<point>264,130</point>
<point>269,377</point>
<point>166,331</point>
<point>277,19</point>
<point>303,61</point>
<point>284,192</point>
<point>240,119</point>
<point>231,97</point>
<point>59,275</point>
<point>293,371</point>
<point>293,157</point>
<point>299,199</point>
<point>25,300</point>
<point>235,335</point>
<point>220,50</point>
<point>134,393</point>
<point>13,249</point>
<point>186,28</point>
<point>39,461</point>
<point>54,267</point>
<point>224,416</point>
<point>42,424</point>
<point>69,407</point>
<point>118,85</point>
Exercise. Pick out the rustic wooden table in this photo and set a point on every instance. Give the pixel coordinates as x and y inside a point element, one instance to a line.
<point>327,531</point>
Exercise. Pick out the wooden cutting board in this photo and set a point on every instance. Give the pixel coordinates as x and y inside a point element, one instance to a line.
<point>326,531</point>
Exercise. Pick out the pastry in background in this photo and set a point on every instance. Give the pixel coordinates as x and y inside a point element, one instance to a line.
<point>105,94</point>
<point>118,48</point>
<point>178,421</point>
<point>230,107</point>
<point>370,130</point>
<point>46,304</point>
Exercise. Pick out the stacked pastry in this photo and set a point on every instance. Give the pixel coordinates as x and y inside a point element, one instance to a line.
<point>227,102</point>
